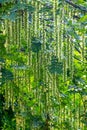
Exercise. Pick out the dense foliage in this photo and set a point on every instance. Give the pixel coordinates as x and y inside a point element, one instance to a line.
<point>43,65</point>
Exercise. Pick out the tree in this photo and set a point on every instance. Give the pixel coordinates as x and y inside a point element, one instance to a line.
<point>43,64</point>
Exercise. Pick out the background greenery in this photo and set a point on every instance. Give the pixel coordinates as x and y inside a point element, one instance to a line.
<point>43,65</point>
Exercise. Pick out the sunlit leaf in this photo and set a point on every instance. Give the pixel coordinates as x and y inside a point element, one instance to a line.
<point>83,19</point>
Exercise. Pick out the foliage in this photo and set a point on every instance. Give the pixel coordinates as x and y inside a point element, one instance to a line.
<point>6,75</point>
<point>43,65</point>
<point>36,45</point>
<point>6,116</point>
<point>56,67</point>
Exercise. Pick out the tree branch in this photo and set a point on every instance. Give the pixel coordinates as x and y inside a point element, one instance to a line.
<point>82,8</point>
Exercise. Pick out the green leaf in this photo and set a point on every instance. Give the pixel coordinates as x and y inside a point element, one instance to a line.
<point>55,67</point>
<point>6,75</point>
<point>12,16</point>
<point>47,8</point>
<point>30,8</point>
<point>23,6</point>
<point>83,19</point>
<point>2,60</point>
<point>80,2</point>
<point>35,45</point>
<point>3,1</point>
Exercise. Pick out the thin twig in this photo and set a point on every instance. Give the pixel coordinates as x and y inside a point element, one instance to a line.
<point>82,8</point>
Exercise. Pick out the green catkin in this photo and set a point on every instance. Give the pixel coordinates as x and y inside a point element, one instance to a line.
<point>7,92</point>
<point>36,55</point>
<point>39,54</point>
<point>44,65</point>
<point>29,58</point>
